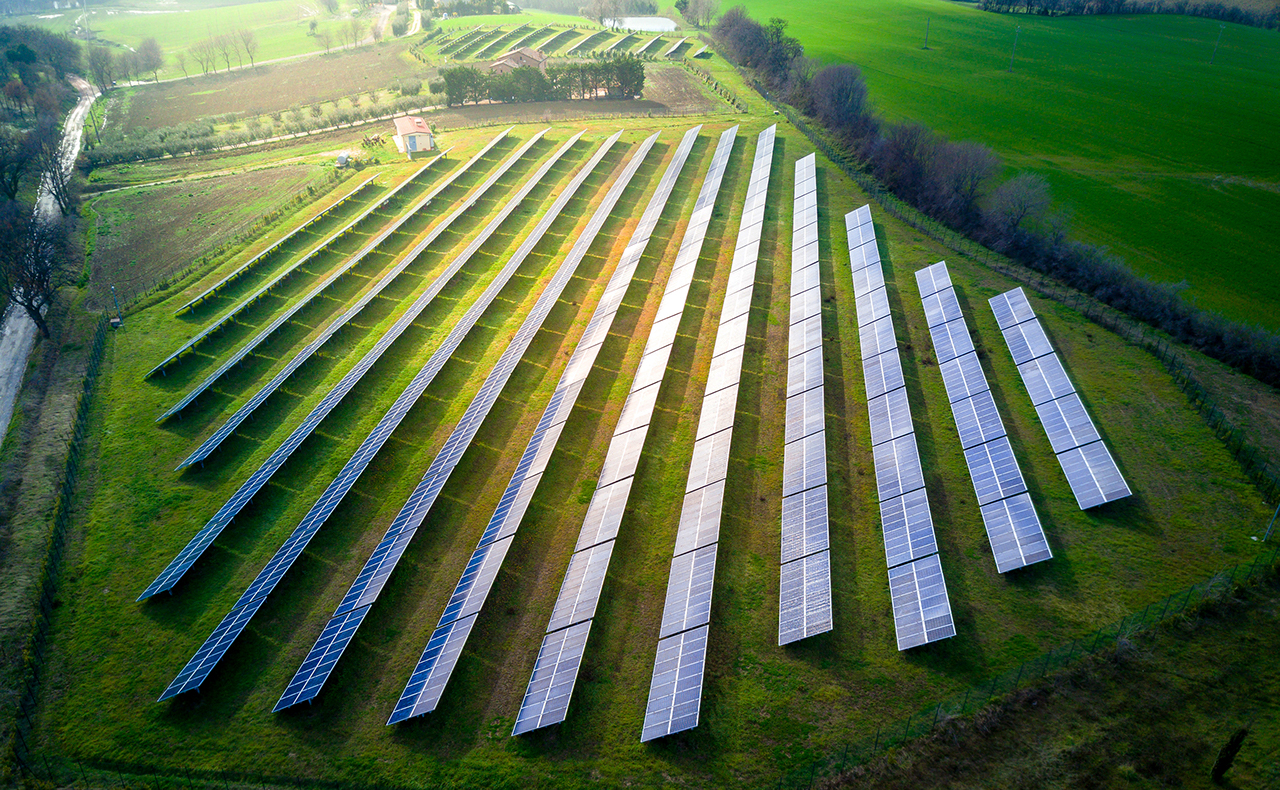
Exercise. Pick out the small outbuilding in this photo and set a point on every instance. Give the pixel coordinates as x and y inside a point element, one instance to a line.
<point>413,136</point>
<point>516,58</point>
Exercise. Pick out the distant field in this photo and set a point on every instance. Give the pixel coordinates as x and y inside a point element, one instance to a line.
<point>1167,160</point>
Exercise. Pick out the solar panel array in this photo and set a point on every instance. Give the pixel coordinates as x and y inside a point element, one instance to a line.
<point>546,698</point>
<point>1013,528</point>
<point>674,47</point>
<point>1092,472</point>
<point>474,586</point>
<point>675,692</point>
<point>350,264</point>
<point>648,44</point>
<point>313,252</point>
<point>255,260</point>
<point>804,606</point>
<point>210,531</point>
<point>917,588</point>
<point>211,652</point>
<point>226,429</point>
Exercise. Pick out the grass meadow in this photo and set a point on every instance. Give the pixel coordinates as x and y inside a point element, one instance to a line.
<point>765,709</point>
<point>1165,159</point>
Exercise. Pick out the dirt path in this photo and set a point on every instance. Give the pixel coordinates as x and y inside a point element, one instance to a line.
<point>18,331</point>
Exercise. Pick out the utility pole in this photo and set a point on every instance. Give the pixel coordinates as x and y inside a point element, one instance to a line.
<point>1221,27</point>
<point>1014,51</point>
<point>926,31</point>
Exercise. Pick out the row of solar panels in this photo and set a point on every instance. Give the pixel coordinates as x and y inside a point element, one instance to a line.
<point>675,689</point>
<point>917,588</point>
<point>198,668</point>
<point>252,263</point>
<point>1013,527</point>
<point>223,517</point>
<point>555,672</point>
<point>230,315</point>
<point>241,414</point>
<point>1091,471</point>
<point>804,598</point>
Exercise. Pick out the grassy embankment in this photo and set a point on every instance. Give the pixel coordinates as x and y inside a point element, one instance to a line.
<point>1154,152</point>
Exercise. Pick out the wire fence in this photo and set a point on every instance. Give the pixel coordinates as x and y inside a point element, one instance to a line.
<point>33,655</point>
<point>1028,673</point>
<point>1261,469</point>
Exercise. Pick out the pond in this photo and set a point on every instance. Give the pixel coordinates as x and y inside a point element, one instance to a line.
<point>651,24</point>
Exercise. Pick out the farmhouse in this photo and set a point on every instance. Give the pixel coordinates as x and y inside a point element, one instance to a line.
<point>525,56</point>
<point>413,135</point>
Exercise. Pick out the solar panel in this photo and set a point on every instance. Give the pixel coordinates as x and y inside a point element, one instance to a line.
<point>726,370</point>
<point>1027,341</point>
<point>868,279</point>
<point>882,373</point>
<point>581,588</point>
<point>426,684</point>
<point>1011,307</point>
<point>932,279</point>
<point>977,419</point>
<point>1045,379</point>
<point>319,662</point>
<point>805,414</point>
<point>718,409</point>
<point>806,304</point>
<point>736,303</point>
<point>805,279</point>
<point>731,335</point>
<point>608,505</point>
<point>908,528</point>
<point>689,591</point>
<point>1014,530</point>
<point>951,340</point>
<point>872,306</point>
<point>546,699</point>
<point>804,523</point>
<point>623,456</point>
<point>804,372</point>
<point>963,377</point>
<point>941,307</point>
<point>890,416</point>
<point>897,467</point>
<point>921,610</point>
<point>805,335</point>
<point>700,518</point>
<point>804,463</point>
<point>637,411</point>
<point>805,598</point>
<point>994,471</point>
<point>675,692</point>
<point>877,338</point>
<point>1094,477</point>
<point>477,579</point>
<point>1066,423</point>
<point>710,460</point>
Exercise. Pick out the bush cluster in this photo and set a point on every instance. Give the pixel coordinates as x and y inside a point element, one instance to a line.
<point>1210,10</point>
<point>617,78</point>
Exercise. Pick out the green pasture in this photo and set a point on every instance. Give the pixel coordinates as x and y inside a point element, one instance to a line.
<point>1169,161</point>
<point>765,709</point>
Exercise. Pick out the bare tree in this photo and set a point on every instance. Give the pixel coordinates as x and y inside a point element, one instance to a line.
<point>356,29</point>
<point>16,153</point>
<point>54,174</point>
<point>224,45</point>
<point>202,51</point>
<point>325,38</point>
<point>249,40</point>
<point>150,57</point>
<point>181,58</point>
<point>1023,197</point>
<point>701,12</point>
<point>35,260</point>
<point>126,65</point>
<point>101,67</point>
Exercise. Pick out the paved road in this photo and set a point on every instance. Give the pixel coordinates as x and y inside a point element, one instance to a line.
<point>18,331</point>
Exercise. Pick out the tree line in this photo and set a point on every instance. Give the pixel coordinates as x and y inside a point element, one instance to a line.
<point>960,184</point>
<point>1212,9</point>
<point>107,67</point>
<point>614,78</point>
<point>39,249</point>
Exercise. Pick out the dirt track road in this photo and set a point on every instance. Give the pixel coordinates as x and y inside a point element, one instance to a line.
<point>18,331</point>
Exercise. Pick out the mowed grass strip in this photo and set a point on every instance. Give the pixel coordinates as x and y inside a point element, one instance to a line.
<point>765,708</point>
<point>1179,177</point>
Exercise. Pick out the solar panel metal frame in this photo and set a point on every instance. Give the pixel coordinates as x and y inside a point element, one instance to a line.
<point>1011,307</point>
<point>1027,341</point>
<point>1066,423</point>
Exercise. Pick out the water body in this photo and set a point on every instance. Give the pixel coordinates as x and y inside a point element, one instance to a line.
<point>650,24</point>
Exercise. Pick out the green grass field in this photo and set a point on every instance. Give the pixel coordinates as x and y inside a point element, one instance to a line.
<point>1165,159</point>
<point>766,709</point>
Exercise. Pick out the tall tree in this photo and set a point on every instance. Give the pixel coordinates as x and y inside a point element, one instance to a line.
<point>101,67</point>
<point>249,40</point>
<point>16,155</point>
<point>150,57</point>
<point>36,259</point>
<point>55,174</point>
<point>181,58</point>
